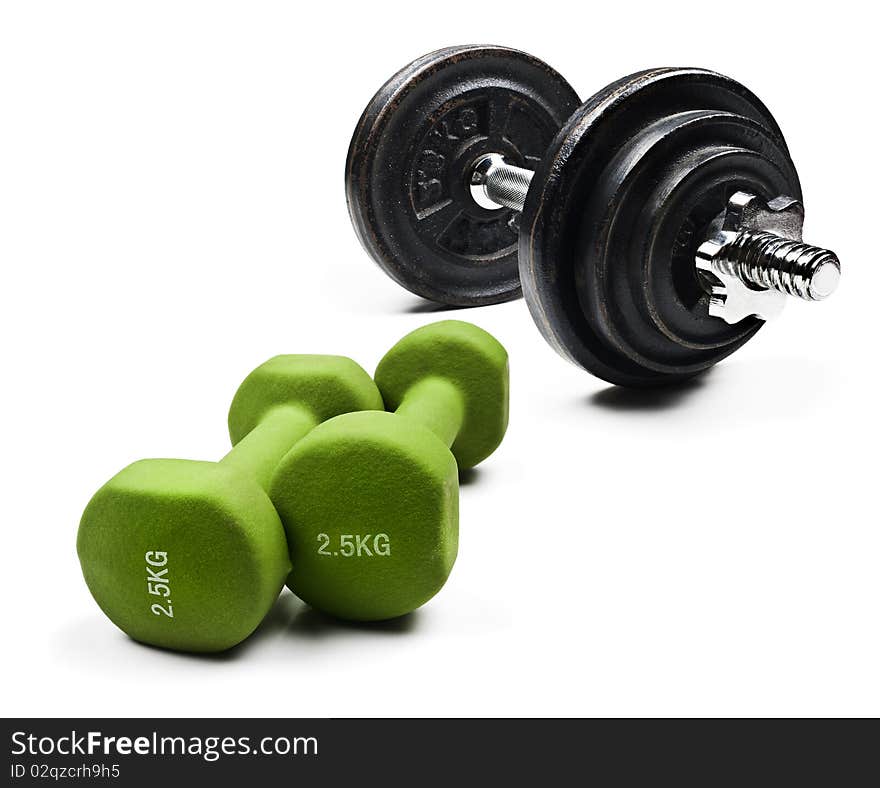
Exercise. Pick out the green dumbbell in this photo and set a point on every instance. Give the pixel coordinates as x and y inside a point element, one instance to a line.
<point>191,555</point>
<point>369,501</point>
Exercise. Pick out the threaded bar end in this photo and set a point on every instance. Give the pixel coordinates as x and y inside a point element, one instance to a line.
<point>770,261</point>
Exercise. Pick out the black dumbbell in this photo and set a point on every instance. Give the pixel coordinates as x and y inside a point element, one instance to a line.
<point>653,229</point>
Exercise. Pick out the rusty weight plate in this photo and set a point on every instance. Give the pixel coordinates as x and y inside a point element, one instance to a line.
<point>408,166</point>
<point>617,208</point>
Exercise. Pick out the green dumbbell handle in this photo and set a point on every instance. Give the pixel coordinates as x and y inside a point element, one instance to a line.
<point>260,451</point>
<point>437,404</point>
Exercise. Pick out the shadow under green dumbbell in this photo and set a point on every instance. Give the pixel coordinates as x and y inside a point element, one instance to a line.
<point>369,501</point>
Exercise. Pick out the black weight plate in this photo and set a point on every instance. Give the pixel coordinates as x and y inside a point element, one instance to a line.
<point>407,172</point>
<point>617,209</point>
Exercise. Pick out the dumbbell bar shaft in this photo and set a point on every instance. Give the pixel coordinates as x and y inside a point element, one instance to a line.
<point>497,184</point>
<point>436,404</point>
<point>792,268</point>
<point>260,451</point>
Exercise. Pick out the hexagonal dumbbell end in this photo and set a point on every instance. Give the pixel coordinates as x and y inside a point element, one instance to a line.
<point>452,377</point>
<point>191,555</point>
<point>369,501</point>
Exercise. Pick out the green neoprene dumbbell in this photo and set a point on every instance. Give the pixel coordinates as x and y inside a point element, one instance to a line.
<point>369,500</point>
<point>191,555</point>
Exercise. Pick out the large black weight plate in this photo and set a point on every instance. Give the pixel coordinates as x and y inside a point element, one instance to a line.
<point>617,208</point>
<point>408,166</point>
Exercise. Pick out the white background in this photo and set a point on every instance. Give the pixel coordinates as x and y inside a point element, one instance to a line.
<point>172,214</point>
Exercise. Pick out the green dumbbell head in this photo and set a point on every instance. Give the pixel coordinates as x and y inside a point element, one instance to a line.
<point>191,555</point>
<point>369,501</point>
<point>452,377</point>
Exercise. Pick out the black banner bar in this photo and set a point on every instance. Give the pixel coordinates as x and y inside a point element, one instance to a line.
<point>135,752</point>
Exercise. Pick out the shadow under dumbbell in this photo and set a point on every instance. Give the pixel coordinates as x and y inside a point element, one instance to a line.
<point>469,476</point>
<point>288,617</point>
<point>618,398</point>
<point>276,621</point>
<point>312,624</point>
<point>421,306</point>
